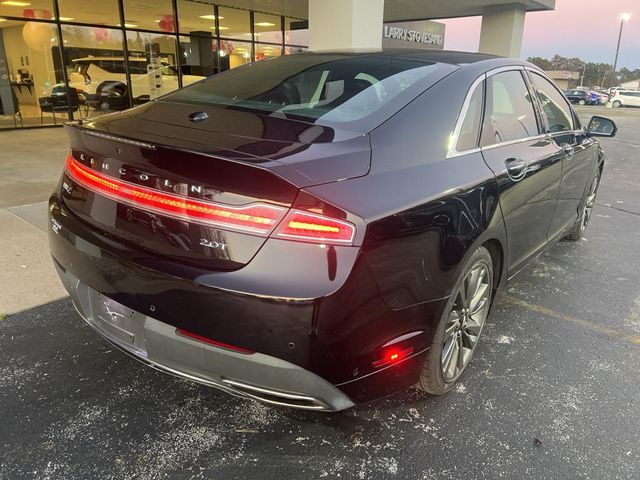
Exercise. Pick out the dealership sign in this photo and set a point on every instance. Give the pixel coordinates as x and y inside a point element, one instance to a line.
<point>421,34</point>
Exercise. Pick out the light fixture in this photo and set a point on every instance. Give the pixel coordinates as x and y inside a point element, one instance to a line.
<point>127,25</point>
<point>219,28</point>
<point>210,17</point>
<point>16,4</point>
<point>3,19</point>
<point>625,17</point>
<point>64,19</point>
<point>265,24</point>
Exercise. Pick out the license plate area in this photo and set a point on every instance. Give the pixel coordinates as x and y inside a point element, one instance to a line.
<point>119,323</point>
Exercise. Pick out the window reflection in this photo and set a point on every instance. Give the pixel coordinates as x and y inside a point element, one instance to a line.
<point>152,65</point>
<point>95,68</point>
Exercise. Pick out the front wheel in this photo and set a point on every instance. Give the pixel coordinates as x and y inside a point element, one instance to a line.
<point>582,102</point>
<point>616,104</point>
<point>459,329</point>
<point>586,210</point>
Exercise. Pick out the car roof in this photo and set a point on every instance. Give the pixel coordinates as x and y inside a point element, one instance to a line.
<point>451,57</point>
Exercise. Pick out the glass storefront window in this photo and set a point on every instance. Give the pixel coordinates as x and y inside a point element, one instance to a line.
<point>157,15</point>
<point>234,23</point>
<point>100,12</point>
<point>233,54</point>
<point>296,31</point>
<point>267,28</point>
<point>40,9</point>
<point>32,91</point>
<point>164,52</point>
<point>198,58</point>
<point>95,66</point>
<point>267,51</point>
<point>152,65</point>
<point>196,17</point>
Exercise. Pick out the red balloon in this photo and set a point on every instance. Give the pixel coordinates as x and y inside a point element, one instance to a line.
<point>29,13</point>
<point>101,34</point>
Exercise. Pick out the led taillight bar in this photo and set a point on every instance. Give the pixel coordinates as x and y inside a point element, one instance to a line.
<point>309,227</point>
<point>257,218</point>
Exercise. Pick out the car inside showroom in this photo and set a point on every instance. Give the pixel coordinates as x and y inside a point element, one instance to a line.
<point>111,45</point>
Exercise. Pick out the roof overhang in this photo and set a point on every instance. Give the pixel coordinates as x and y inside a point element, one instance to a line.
<point>396,10</point>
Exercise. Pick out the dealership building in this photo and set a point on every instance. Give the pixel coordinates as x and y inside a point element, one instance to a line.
<point>118,53</point>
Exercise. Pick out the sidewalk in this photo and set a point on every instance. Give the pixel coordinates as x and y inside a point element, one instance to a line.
<point>31,162</point>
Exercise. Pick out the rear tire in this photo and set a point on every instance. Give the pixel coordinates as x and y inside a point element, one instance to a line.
<point>586,209</point>
<point>582,102</point>
<point>460,326</point>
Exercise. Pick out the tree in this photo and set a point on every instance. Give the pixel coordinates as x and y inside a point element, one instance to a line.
<point>591,74</point>
<point>543,63</point>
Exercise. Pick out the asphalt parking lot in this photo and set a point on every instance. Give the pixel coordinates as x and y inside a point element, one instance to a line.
<point>552,392</point>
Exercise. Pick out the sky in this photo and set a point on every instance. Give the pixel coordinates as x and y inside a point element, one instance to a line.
<point>587,29</point>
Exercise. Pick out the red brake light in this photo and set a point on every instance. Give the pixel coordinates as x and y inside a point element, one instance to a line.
<point>255,218</point>
<point>311,227</point>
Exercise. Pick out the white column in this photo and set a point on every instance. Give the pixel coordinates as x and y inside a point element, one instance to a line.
<point>502,28</point>
<point>340,24</point>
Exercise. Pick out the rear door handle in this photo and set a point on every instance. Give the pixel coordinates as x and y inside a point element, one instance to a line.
<point>568,150</point>
<point>516,168</point>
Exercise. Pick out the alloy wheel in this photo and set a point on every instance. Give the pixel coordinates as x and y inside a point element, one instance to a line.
<point>465,322</point>
<point>590,203</point>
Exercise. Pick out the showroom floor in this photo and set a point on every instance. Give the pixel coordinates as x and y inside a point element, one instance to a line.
<point>552,391</point>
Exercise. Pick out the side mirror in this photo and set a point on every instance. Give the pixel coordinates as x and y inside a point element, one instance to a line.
<point>601,127</point>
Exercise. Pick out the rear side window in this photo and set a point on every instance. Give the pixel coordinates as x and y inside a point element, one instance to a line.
<point>554,104</point>
<point>470,129</point>
<point>509,113</point>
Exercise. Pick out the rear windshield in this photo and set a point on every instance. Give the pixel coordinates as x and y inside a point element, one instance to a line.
<point>320,88</point>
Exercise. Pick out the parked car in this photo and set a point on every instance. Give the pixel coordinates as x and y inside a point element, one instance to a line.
<point>347,219</point>
<point>581,97</point>
<point>89,73</point>
<point>625,98</point>
<point>596,98</point>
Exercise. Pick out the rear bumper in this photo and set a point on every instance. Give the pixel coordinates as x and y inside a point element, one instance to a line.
<point>255,376</point>
<point>318,319</point>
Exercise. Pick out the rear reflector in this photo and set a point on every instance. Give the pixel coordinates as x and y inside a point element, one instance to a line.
<point>256,218</point>
<point>195,336</point>
<point>391,356</point>
<point>309,227</point>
